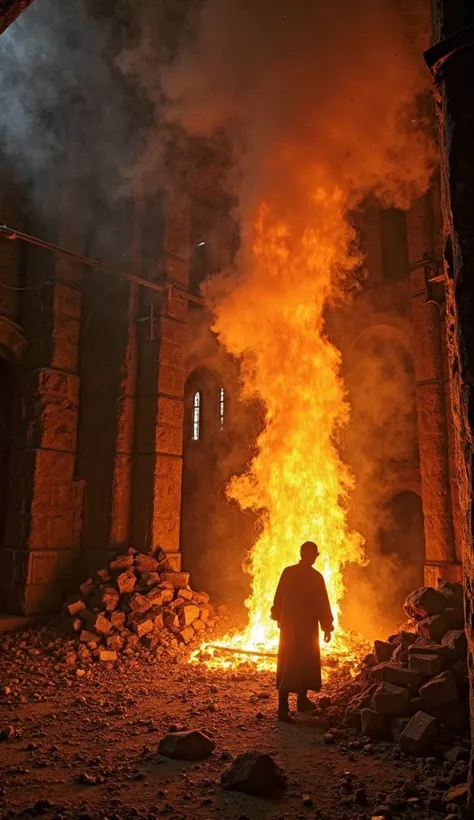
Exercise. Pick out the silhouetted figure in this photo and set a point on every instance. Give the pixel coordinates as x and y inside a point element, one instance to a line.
<point>301,606</point>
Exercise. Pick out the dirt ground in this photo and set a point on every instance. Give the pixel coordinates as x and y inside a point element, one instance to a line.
<point>86,747</point>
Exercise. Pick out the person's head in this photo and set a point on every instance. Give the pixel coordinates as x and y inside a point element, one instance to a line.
<point>309,552</point>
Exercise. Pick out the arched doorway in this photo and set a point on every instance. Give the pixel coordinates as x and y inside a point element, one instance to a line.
<point>202,484</point>
<point>6,405</point>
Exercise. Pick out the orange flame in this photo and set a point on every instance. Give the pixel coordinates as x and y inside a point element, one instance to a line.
<point>272,316</point>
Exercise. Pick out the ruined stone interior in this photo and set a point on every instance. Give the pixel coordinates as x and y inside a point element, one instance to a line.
<point>121,422</point>
<point>100,376</point>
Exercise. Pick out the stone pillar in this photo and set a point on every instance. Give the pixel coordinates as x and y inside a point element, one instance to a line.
<point>431,410</point>
<point>44,511</point>
<point>126,414</point>
<point>452,61</point>
<point>122,474</point>
<point>157,461</point>
<point>170,399</point>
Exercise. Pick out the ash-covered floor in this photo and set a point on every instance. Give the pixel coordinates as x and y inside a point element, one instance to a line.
<point>87,747</point>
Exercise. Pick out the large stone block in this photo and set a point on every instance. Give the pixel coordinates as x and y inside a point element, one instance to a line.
<point>440,690</point>
<point>391,700</point>
<point>398,676</point>
<point>424,602</point>
<point>433,628</point>
<point>419,735</point>
<point>373,723</point>
<point>426,665</point>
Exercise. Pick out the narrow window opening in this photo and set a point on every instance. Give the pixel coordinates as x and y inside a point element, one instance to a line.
<point>197,416</point>
<point>221,407</point>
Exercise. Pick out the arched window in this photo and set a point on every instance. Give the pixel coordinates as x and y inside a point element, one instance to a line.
<point>221,407</point>
<point>196,415</point>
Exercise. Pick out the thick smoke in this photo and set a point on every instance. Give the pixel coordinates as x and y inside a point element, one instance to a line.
<point>382,450</point>
<point>321,104</point>
<point>65,119</point>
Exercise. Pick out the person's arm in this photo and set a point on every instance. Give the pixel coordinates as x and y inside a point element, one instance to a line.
<point>325,614</point>
<point>275,612</point>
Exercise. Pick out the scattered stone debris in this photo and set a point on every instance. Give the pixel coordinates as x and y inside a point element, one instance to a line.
<point>414,688</point>
<point>255,774</point>
<point>138,601</point>
<point>192,745</point>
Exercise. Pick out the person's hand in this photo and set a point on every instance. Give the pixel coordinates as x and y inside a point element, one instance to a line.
<point>327,637</point>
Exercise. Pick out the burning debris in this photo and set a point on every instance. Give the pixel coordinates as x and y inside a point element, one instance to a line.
<point>139,601</point>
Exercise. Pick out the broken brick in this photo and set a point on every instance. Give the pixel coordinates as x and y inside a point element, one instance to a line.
<point>125,582</point>
<point>179,580</point>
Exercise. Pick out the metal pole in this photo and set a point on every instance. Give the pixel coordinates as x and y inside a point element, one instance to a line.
<point>11,233</point>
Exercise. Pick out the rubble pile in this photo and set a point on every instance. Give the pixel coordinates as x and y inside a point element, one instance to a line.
<point>139,601</point>
<point>414,687</point>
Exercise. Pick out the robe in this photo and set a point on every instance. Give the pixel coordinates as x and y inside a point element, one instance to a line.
<point>301,606</point>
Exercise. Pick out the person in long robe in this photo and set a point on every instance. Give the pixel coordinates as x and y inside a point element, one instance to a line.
<point>301,607</point>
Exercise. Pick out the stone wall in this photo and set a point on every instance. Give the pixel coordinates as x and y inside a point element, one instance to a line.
<point>452,64</point>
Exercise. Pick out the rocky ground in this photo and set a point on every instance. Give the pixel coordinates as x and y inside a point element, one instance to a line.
<point>83,743</point>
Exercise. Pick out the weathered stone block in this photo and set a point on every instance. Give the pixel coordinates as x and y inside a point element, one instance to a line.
<point>383,651</point>
<point>454,617</point>
<point>427,665</point>
<point>139,603</point>
<point>455,641</point>
<point>391,700</point>
<point>121,563</point>
<point>110,599</point>
<point>158,619</point>
<point>419,735</point>
<point>398,675</point>
<point>433,628</point>
<point>373,723</point>
<point>439,691</point>
<point>155,597</point>
<point>167,595</point>
<point>107,656</point>
<point>145,563</point>
<point>115,643</point>
<point>423,603</point>
<point>452,591</point>
<point>149,579</point>
<point>179,580</point>
<point>144,627</point>
<point>125,582</point>
<point>74,607</point>
<point>397,726</point>
<point>187,614</point>
<point>117,619</point>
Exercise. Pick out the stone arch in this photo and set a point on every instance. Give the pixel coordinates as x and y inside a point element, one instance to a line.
<point>382,327</point>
